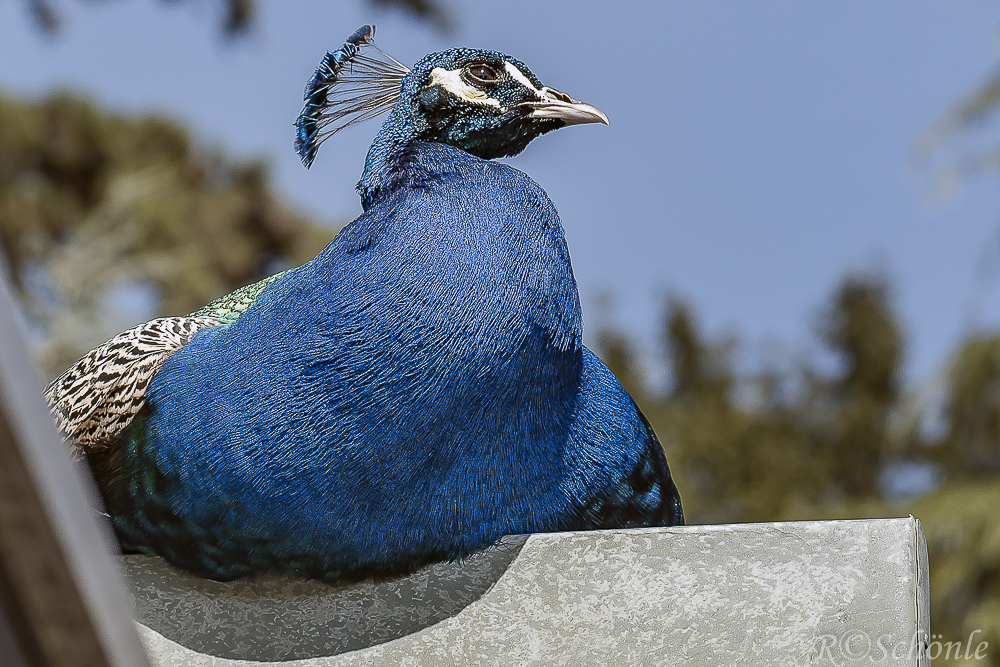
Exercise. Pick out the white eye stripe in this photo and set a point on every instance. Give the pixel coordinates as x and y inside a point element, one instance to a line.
<point>451,80</point>
<point>519,76</point>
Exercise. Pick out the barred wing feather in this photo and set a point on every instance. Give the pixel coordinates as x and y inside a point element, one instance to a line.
<point>96,399</point>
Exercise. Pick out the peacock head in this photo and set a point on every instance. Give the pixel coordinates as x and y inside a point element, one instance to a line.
<point>484,102</point>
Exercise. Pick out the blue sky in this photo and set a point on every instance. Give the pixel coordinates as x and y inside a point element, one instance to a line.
<point>757,151</point>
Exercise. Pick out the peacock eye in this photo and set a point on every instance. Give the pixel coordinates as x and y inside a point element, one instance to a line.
<point>482,74</point>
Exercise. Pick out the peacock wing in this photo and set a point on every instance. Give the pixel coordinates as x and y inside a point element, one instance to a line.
<point>96,399</point>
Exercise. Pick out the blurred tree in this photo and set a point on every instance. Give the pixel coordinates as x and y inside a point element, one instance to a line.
<point>616,353</point>
<point>430,10</point>
<point>963,524</point>
<point>775,456</point>
<point>698,370</point>
<point>862,330</point>
<point>729,461</point>
<point>963,542</point>
<point>799,444</point>
<point>961,518</point>
<point>239,15</point>
<point>92,201</point>
<point>972,112</point>
<point>973,410</point>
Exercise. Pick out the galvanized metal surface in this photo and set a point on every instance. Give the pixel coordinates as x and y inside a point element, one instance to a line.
<point>804,593</point>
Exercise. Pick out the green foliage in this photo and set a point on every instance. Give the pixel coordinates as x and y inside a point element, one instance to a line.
<point>90,201</point>
<point>962,518</point>
<point>801,444</point>
<point>973,409</point>
<point>862,330</point>
<point>963,542</point>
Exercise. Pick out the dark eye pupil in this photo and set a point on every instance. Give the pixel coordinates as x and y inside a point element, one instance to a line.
<point>483,73</point>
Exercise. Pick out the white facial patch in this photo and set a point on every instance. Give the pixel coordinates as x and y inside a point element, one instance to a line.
<point>451,80</point>
<point>518,76</point>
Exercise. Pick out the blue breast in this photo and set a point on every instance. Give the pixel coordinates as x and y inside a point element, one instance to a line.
<point>415,392</point>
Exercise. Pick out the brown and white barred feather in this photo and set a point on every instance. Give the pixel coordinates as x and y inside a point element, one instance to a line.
<point>96,399</point>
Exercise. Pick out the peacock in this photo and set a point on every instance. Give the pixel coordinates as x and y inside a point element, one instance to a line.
<point>414,393</point>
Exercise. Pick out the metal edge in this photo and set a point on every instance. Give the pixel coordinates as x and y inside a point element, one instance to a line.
<point>94,607</point>
<point>921,591</point>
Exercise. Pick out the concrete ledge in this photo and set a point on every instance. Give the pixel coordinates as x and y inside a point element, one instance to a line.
<point>803,593</point>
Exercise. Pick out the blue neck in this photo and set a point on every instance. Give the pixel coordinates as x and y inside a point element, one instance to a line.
<point>400,160</point>
<point>390,148</point>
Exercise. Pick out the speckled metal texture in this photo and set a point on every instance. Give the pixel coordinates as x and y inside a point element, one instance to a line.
<point>270,618</point>
<point>804,593</point>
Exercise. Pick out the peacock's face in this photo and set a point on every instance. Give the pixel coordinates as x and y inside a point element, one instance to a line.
<point>488,103</point>
<point>484,102</point>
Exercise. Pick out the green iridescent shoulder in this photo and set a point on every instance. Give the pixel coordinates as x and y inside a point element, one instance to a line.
<point>227,309</point>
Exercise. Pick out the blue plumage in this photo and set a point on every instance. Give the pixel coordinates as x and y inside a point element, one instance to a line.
<point>416,391</point>
<point>308,124</point>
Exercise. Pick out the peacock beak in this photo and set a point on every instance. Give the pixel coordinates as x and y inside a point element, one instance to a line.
<point>559,105</point>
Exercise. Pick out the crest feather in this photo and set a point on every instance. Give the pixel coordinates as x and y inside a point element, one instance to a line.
<point>348,88</point>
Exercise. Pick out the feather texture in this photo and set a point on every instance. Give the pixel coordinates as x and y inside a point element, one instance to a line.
<point>348,88</point>
<point>96,399</point>
<point>414,393</point>
<point>227,309</point>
